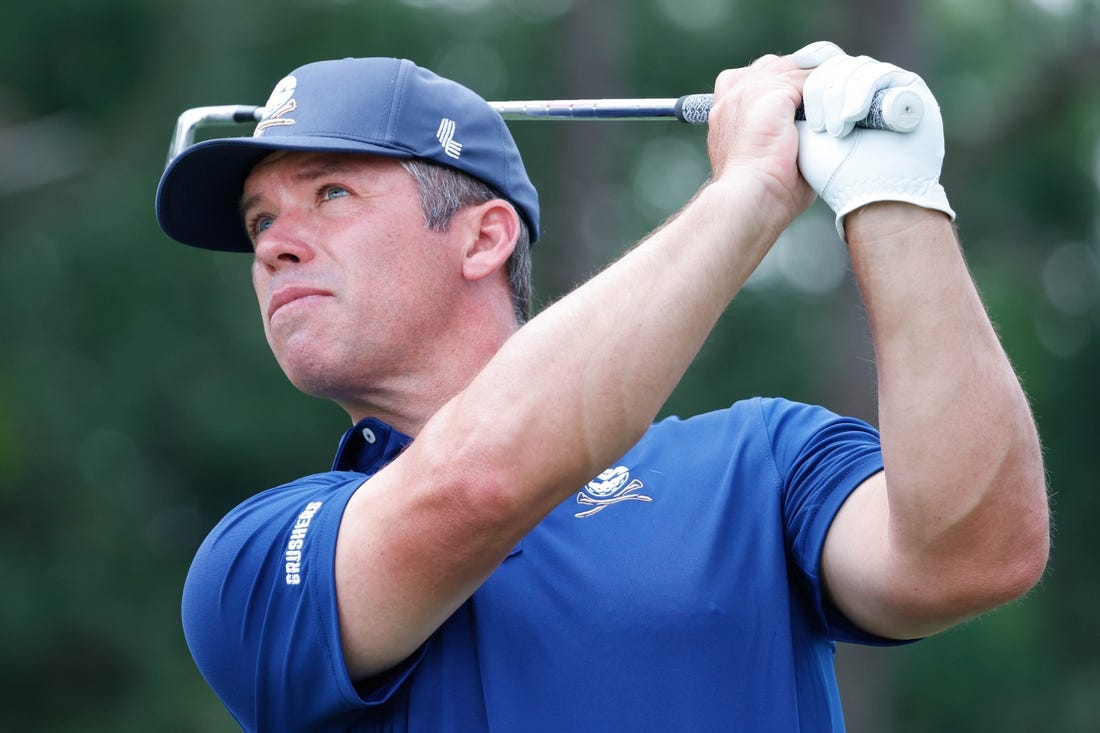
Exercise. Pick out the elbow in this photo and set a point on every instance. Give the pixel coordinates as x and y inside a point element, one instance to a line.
<point>479,484</point>
<point>491,494</point>
<point>1018,525</point>
<point>992,565</point>
<point>1027,562</point>
<point>967,587</point>
<point>1019,562</point>
<point>1028,541</point>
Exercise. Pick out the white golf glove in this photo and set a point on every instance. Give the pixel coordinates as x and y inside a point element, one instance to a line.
<point>850,167</point>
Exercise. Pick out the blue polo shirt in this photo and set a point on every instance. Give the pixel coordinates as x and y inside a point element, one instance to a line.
<point>679,590</point>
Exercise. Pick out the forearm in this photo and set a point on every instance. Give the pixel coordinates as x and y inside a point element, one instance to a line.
<point>966,490</point>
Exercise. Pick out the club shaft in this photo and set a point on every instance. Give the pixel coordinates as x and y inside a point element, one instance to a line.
<point>891,109</point>
<point>899,110</point>
<point>588,109</point>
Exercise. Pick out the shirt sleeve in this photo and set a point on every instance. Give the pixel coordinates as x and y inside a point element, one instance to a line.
<point>821,458</point>
<point>260,614</point>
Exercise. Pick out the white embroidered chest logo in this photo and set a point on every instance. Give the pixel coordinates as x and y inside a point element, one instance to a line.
<point>610,487</point>
<point>446,136</point>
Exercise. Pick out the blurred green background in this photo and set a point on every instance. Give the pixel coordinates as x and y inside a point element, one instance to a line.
<point>138,401</point>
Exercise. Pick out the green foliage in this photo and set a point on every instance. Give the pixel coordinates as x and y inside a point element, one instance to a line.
<point>138,401</point>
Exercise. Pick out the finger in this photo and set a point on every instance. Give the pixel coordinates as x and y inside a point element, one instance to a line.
<point>867,79</point>
<point>822,96</point>
<point>769,63</point>
<point>765,60</point>
<point>772,62</point>
<point>815,54</point>
<point>838,71</point>
<point>813,94</point>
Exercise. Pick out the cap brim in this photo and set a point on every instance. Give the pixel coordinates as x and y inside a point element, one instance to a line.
<point>199,194</point>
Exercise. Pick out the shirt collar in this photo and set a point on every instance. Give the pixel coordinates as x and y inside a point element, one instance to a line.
<point>368,446</point>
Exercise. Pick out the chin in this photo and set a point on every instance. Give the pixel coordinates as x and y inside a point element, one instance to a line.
<point>319,374</point>
<point>315,380</point>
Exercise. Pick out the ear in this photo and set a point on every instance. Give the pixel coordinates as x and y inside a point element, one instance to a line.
<point>493,229</point>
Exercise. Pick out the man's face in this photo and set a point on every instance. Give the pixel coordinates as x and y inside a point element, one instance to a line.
<point>350,283</point>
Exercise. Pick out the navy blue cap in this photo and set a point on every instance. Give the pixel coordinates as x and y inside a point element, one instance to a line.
<point>380,106</point>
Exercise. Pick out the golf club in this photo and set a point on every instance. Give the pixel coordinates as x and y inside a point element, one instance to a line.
<point>898,110</point>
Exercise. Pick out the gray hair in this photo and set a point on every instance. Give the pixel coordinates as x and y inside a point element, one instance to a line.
<point>443,191</point>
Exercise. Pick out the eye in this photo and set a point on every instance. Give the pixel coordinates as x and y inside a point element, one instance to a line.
<point>259,224</point>
<point>333,191</point>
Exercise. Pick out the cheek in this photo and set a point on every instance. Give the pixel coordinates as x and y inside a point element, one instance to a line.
<point>261,288</point>
<point>259,282</point>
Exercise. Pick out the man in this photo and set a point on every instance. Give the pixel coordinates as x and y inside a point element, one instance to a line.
<point>541,557</point>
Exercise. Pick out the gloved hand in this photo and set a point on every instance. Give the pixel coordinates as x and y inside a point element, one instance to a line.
<point>851,167</point>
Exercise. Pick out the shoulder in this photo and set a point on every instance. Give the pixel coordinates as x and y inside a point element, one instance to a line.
<point>250,530</point>
<point>770,418</point>
<point>784,439</point>
<point>255,577</point>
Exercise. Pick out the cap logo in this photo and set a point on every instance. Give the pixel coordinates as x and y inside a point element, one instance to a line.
<point>279,104</point>
<point>446,136</point>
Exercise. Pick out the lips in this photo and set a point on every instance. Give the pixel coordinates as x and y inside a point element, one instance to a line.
<point>289,294</point>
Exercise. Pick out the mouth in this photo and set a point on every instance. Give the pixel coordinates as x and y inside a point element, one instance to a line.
<point>291,294</point>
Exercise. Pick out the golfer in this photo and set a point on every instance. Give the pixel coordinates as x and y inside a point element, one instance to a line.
<point>506,540</point>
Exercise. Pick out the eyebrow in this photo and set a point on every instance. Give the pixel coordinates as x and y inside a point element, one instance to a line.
<point>320,169</point>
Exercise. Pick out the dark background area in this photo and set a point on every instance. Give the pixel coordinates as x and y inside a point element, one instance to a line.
<point>138,401</point>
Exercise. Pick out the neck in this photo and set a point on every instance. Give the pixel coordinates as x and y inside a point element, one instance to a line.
<point>407,398</point>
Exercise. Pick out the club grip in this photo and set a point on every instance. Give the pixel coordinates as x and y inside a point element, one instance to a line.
<point>897,110</point>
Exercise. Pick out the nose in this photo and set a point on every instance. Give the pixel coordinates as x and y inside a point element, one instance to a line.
<point>282,244</point>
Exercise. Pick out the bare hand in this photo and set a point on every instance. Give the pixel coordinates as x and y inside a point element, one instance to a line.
<point>752,129</point>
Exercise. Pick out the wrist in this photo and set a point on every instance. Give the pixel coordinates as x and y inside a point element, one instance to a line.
<point>888,220</point>
<point>754,205</point>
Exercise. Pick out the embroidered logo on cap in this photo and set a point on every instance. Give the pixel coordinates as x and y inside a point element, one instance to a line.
<point>279,104</point>
<point>446,136</point>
